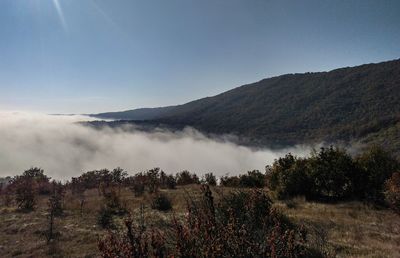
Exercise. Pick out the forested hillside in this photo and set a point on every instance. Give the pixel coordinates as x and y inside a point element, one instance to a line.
<point>356,104</point>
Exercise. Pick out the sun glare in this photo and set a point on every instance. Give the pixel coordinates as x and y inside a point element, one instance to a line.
<point>60,13</point>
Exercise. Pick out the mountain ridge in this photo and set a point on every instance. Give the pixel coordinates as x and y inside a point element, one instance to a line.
<point>348,104</point>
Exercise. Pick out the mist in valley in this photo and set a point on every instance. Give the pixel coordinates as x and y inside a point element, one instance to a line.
<point>65,148</point>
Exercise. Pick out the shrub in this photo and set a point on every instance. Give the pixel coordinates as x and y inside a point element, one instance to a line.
<point>229,181</point>
<point>167,181</point>
<point>55,208</point>
<point>103,178</point>
<point>135,242</point>
<point>187,178</point>
<point>288,178</point>
<point>138,183</point>
<point>333,174</point>
<point>138,189</point>
<point>42,181</point>
<point>112,205</point>
<point>210,179</point>
<point>161,202</point>
<point>25,193</point>
<point>377,166</point>
<point>113,202</point>
<point>170,182</point>
<point>245,207</point>
<point>252,179</point>
<point>242,224</point>
<point>56,199</point>
<point>90,179</point>
<point>118,177</point>
<point>78,192</point>
<point>105,217</point>
<point>153,180</point>
<point>392,192</point>
<point>27,186</point>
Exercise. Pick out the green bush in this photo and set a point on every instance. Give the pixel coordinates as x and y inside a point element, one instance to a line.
<point>333,174</point>
<point>252,179</point>
<point>377,166</point>
<point>288,177</point>
<point>161,202</point>
<point>105,217</point>
<point>330,174</point>
<point>187,178</point>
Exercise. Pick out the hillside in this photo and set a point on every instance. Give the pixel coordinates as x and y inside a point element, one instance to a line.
<point>349,104</point>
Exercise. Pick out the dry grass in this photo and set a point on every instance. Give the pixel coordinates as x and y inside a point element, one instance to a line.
<point>349,229</point>
<point>345,230</point>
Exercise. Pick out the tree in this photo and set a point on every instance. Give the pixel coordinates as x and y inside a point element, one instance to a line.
<point>78,191</point>
<point>153,180</point>
<point>229,181</point>
<point>56,199</point>
<point>41,180</point>
<point>288,177</point>
<point>25,188</point>
<point>55,207</point>
<point>333,173</point>
<point>137,184</point>
<point>377,166</point>
<point>118,176</point>
<point>252,179</point>
<point>186,178</point>
<point>210,179</point>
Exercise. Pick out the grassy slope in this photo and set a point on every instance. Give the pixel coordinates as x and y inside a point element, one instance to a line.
<point>347,230</point>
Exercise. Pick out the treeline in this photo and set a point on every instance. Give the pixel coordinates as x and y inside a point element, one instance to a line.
<point>329,174</point>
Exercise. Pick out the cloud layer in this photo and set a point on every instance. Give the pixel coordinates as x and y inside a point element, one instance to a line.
<point>64,149</point>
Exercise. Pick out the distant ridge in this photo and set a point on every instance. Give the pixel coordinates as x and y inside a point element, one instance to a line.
<point>136,114</point>
<point>349,104</point>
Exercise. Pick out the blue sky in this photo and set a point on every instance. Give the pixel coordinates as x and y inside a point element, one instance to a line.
<point>81,56</point>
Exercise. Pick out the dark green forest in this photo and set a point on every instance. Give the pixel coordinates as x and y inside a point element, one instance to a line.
<point>348,105</point>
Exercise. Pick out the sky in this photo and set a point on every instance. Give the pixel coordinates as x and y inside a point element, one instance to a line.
<point>89,56</point>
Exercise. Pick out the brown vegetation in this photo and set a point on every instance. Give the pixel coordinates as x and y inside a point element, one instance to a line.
<point>151,214</point>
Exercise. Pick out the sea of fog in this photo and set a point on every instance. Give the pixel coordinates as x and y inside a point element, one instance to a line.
<point>64,148</point>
